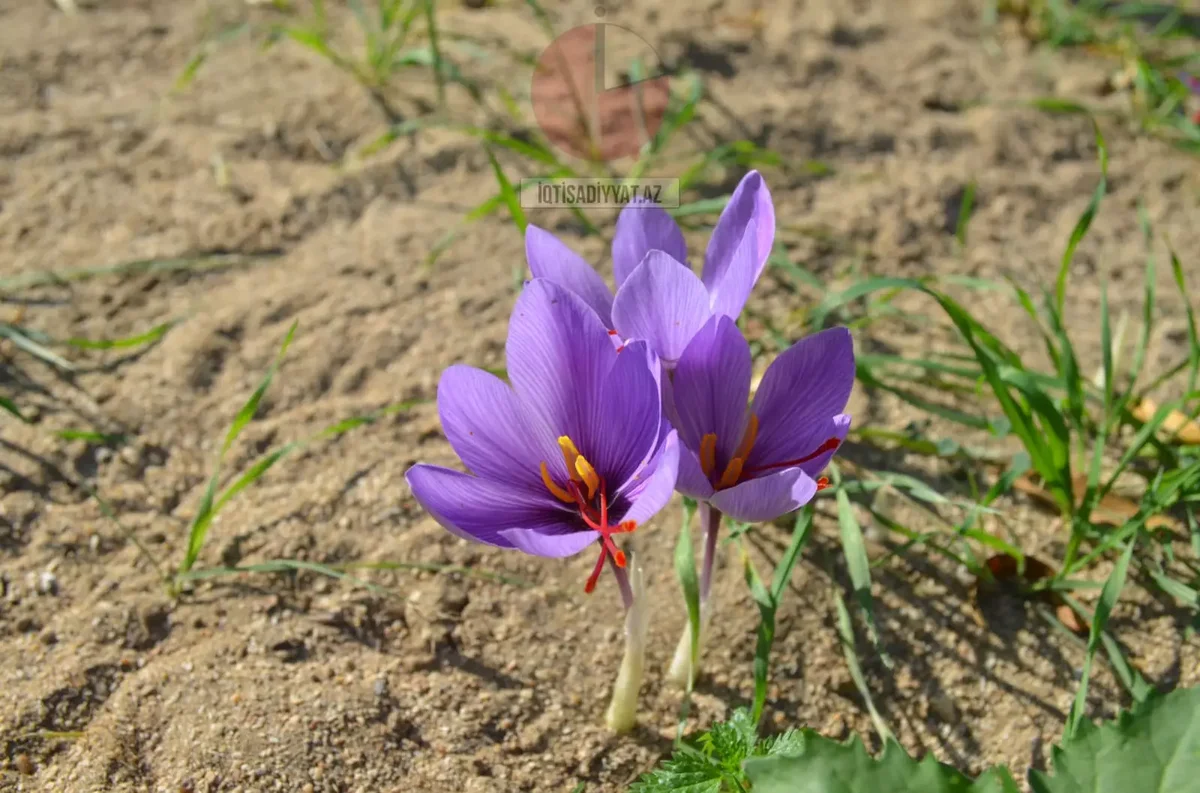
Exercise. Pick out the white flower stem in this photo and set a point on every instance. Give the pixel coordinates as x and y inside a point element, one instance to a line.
<point>681,671</point>
<point>622,711</point>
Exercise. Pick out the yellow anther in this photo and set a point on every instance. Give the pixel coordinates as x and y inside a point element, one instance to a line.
<point>588,474</point>
<point>733,472</point>
<point>708,453</point>
<point>558,492</point>
<point>570,455</point>
<point>751,435</point>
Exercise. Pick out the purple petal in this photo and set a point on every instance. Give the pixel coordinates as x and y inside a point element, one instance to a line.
<point>768,497</point>
<point>644,226</point>
<point>552,546</point>
<point>625,433</point>
<point>728,294</point>
<point>549,258</point>
<point>489,430</point>
<point>662,302</point>
<point>801,392</point>
<point>732,263</point>
<point>559,356</point>
<point>711,387</point>
<point>654,490</point>
<point>692,481</point>
<point>480,509</point>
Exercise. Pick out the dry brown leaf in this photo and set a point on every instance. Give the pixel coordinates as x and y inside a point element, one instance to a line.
<point>1068,617</point>
<point>1113,510</point>
<point>1181,429</point>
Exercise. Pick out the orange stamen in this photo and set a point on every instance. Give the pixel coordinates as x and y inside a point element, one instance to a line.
<point>570,454</point>
<point>732,473</point>
<point>588,474</point>
<point>748,439</point>
<point>595,516</point>
<point>557,491</point>
<point>708,453</point>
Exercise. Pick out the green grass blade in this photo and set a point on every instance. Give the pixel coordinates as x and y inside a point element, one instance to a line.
<point>248,410</point>
<point>89,436</point>
<point>508,195</point>
<point>964,214</point>
<point>1193,337</point>
<point>11,407</point>
<point>431,29</point>
<point>766,632</point>
<point>21,341</point>
<point>198,530</point>
<point>1085,220</point>
<point>1108,599</point>
<point>845,630</point>
<point>140,266</point>
<point>1148,301</point>
<point>283,566</point>
<point>768,603</point>
<point>857,564</point>
<point>141,339</point>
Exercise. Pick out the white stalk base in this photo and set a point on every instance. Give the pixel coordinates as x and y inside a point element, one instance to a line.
<point>621,716</point>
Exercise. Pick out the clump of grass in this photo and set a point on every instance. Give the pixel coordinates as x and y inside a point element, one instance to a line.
<point>1151,44</point>
<point>397,37</point>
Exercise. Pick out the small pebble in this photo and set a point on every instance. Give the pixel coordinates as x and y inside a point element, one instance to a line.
<point>48,583</point>
<point>48,638</point>
<point>24,764</point>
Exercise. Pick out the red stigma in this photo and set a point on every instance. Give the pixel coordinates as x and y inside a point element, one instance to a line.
<point>612,333</point>
<point>822,483</point>
<point>827,446</point>
<point>596,518</point>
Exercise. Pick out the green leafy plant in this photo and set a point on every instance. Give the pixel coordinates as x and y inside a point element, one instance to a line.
<point>1154,747</point>
<point>714,763</point>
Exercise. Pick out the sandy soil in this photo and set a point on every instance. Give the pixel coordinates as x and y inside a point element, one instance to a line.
<point>300,683</point>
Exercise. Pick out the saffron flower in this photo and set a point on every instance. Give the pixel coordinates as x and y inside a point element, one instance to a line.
<point>754,465</point>
<point>575,452</point>
<point>659,298</point>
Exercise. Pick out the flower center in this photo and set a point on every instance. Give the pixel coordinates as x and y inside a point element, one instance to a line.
<point>736,471</point>
<point>587,491</point>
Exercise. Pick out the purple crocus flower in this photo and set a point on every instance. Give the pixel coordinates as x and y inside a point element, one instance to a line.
<point>659,298</point>
<point>759,464</point>
<point>574,452</point>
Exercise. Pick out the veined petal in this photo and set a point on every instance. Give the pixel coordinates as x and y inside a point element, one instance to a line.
<point>479,509</point>
<point>653,490</point>
<point>663,302</point>
<point>728,293</point>
<point>692,481</point>
<point>551,259</point>
<point>801,391</point>
<point>767,497</point>
<point>644,226</point>
<point>626,431</point>
<point>489,430</point>
<point>726,274</point>
<point>711,387</point>
<point>551,546</point>
<point>559,356</point>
